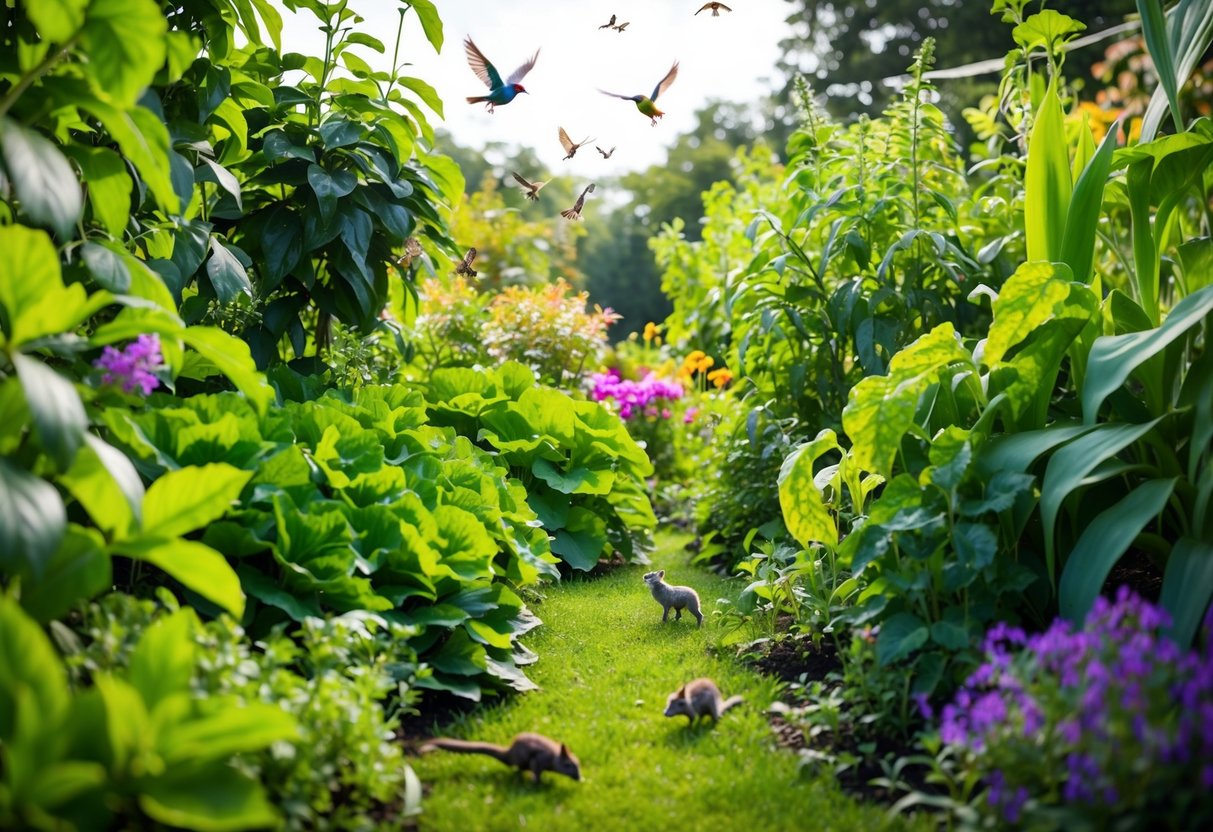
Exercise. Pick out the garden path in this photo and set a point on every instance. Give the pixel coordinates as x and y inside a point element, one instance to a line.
<point>606,666</point>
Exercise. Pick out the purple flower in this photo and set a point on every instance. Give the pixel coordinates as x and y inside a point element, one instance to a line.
<point>133,367</point>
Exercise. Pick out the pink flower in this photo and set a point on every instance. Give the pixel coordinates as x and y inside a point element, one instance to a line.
<point>690,415</point>
<point>134,366</point>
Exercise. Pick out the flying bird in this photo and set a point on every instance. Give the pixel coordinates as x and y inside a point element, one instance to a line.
<point>531,188</point>
<point>646,104</point>
<point>606,154</point>
<point>464,266</point>
<point>500,92</point>
<point>623,25</point>
<point>574,213</point>
<point>412,250</point>
<point>715,7</point>
<point>569,146</point>
<point>610,24</point>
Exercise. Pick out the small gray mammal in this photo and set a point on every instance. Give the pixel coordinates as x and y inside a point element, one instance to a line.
<point>529,752</point>
<point>678,597</point>
<point>699,697</point>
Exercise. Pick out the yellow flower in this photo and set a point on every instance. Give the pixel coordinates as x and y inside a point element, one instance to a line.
<point>651,331</point>
<point>720,377</point>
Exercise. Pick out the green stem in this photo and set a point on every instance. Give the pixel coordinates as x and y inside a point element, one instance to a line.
<point>37,72</point>
<point>396,49</point>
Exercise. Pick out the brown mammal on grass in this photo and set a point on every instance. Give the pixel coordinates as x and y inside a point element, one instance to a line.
<point>678,597</point>
<point>697,698</point>
<point>529,752</point>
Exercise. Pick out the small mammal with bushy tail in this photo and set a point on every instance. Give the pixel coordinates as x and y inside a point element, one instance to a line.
<point>678,597</point>
<point>698,698</point>
<point>529,752</point>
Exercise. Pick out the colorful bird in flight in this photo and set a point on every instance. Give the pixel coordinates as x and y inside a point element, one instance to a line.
<point>500,92</point>
<point>610,24</point>
<point>570,147</point>
<point>531,188</point>
<point>715,7</point>
<point>646,104</point>
<point>574,213</point>
<point>606,154</point>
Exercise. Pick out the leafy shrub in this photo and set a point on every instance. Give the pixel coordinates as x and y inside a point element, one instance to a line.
<point>133,744</point>
<point>1107,723</point>
<point>344,680</point>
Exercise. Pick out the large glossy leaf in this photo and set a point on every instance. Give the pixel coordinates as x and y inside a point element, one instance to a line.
<point>804,510</point>
<point>232,728</point>
<point>900,636</point>
<point>1029,298</point>
<point>1154,30</point>
<point>125,40</point>
<point>106,484</point>
<point>580,543</point>
<point>226,273</point>
<point>1190,30</point>
<point>46,186</point>
<point>1069,467</point>
<point>109,185</point>
<point>231,356</point>
<point>1047,184</point>
<point>32,520</point>
<point>199,568</point>
<point>57,20</point>
<point>217,798</point>
<point>1115,357</point>
<point>431,23</point>
<point>188,499</point>
<point>1187,586</point>
<point>55,406</point>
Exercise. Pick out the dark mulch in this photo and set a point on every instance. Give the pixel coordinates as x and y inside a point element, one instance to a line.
<point>1138,572</point>
<point>440,708</point>
<point>799,660</point>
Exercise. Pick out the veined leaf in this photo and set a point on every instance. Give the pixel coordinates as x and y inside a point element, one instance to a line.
<point>54,404</point>
<point>1028,299</point>
<point>804,510</point>
<point>198,567</point>
<point>46,186</point>
<point>187,499</point>
<point>431,23</point>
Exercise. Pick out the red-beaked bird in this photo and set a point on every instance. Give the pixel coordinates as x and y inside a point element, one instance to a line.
<point>500,92</point>
<point>531,188</point>
<point>570,147</point>
<point>574,213</point>
<point>464,266</point>
<point>646,103</point>
<point>715,7</point>
<point>610,24</point>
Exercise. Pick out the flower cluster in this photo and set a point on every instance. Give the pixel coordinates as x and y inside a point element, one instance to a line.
<point>134,367</point>
<point>1110,717</point>
<point>633,398</point>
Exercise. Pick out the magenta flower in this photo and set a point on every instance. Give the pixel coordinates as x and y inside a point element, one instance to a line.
<point>133,367</point>
<point>634,397</point>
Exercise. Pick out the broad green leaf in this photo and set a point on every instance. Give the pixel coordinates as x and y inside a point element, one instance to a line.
<point>79,570</point>
<point>141,136</point>
<point>581,542</point>
<point>57,20</point>
<point>107,266</point>
<point>126,724</point>
<point>32,521</point>
<point>1101,544</point>
<point>233,728</point>
<point>425,92</point>
<point>1048,30</point>
<point>125,41</point>
<point>188,499</point>
<point>199,568</point>
<point>464,548</point>
<point>27,661</point>
<point>950,635</point>
<point>226,273</point>
<point>900,636</point>
<point>212,171</point>
<point>1115,357</point>
<point>579,480</point>
<point>329,186</point>
<point>1154,30</point>
<point>1086,208</point>
<point>106,484</point>
<point>431,23</point>
<point>269,591</point>
<point>162,663</point>
<point>54,404</point>
<point>804,510</point>
<point>1029,298</point>
<point>1187,587</point>
<point>231,356</point>
<point>33,300</point>
<point>217,798</point>
<point>1016,452</point>
<point>1190,27</point>
<point>44,182</point>
<point>1069,467</point>
<point>109,185</point>
<point>1047,182</point>
<point>459,655</point>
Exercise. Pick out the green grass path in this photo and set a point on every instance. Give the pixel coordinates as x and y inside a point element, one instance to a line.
<point>606,666</point>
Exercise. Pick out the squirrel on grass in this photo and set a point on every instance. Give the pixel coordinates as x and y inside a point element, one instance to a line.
<point>699,697</point>
<point>678,597</point>
<point>529,752</point>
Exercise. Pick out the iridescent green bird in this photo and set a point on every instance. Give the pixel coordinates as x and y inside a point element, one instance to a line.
<point>646,104</point>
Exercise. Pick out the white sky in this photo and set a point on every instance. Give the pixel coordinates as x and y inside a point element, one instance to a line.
<point>729,57</point>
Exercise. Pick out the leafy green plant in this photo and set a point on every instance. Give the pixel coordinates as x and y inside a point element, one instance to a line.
<point>160,753</point>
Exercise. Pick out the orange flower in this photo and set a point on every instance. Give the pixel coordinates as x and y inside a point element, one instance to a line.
<point>720,377</point>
